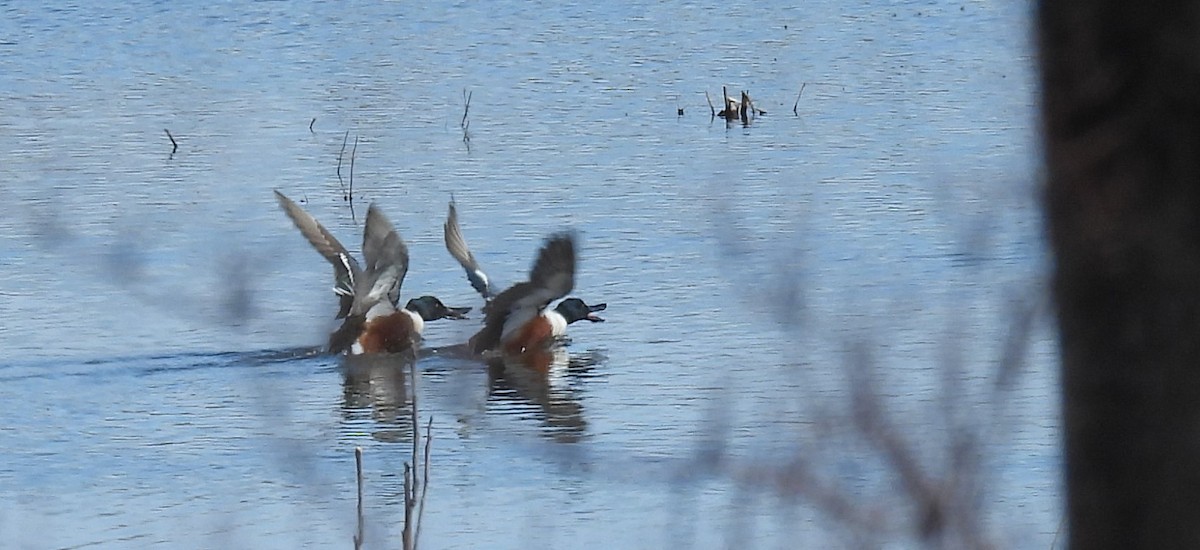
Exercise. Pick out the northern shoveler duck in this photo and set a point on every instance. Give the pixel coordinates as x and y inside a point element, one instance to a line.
<point>369,297</point>
<point>517,320</point>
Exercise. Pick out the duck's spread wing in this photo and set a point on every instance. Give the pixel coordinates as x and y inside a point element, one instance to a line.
<point>510,305</point>
<point>457,246</point>
<point>346,270</point>
<point>387,263</point>
<point>382,246</point>
<point>554,271</point>
<point>552,277</point>
<point>344,337</point>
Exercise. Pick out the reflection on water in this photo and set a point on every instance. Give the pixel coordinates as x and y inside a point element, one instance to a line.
<point>547,380</point>
<point>377,384</point>
<point>542,385</point>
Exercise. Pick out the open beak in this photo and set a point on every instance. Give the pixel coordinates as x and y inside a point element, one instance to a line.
<point>591,316</point>
<point>457,312</point>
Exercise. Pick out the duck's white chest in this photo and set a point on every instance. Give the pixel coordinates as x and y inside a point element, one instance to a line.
<point>418,324</point>
<point>558,323</point>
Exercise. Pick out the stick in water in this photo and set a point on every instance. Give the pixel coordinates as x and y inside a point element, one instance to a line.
<point>424,480</point>
<point>797,105</point>
<point>353,153</point>
<point>174,146</point>
<point>358,536</point>
<point>345,197</point>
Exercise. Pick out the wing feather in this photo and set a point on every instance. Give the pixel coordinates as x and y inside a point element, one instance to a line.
<point>554,270</point>
<point>345,268</point>
<point>456,244</point>
<point>387,263</point>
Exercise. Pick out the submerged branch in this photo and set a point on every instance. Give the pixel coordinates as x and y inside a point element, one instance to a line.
<point>345,196</point>
<point>416,472</point>
<point>406,536</point>
<point>424,479</point>
<point>358,536</point>
<point>353,153</point>
<point>174,145</point>
<point>796,106</point>
<point>464,123</point>
<point>466,108</point>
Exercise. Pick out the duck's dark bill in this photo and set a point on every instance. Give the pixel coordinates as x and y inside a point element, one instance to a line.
<point>596,318</point>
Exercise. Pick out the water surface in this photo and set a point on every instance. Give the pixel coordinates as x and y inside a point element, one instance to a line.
<point>160,312</point>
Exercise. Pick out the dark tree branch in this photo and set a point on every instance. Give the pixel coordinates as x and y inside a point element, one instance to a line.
<point>174,145</point>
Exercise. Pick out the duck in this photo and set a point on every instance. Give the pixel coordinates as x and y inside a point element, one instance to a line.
<point>517,319</point>
<point>368,297</point>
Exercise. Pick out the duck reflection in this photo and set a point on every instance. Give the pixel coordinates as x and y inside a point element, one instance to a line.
<point>545,378</point>
<point>378,383</point>
<point>543,383</point>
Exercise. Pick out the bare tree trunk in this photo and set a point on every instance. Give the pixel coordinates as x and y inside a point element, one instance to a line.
<point>1122,129</point>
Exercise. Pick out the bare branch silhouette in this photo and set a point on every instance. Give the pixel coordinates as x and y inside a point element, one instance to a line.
<point>174,145</point>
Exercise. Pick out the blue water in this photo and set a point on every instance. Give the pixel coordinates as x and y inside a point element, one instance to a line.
<point>160,312</point>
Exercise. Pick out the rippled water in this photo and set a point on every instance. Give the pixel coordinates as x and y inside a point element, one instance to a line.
<point>160,313</point>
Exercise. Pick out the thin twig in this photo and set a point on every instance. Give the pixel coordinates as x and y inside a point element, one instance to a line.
<point>424,480</point>
<point>1016,344</point>
<point>353,153</point>
<point>466,107</point>
<point>310,125</point>
<point>464,123</point>
<point>711,109</point>
<point>745,108</point>
<point>341,153</point>
<point>358,537</point>
<point>797,105</point>
<point>174,145</point>
<point>406,534</point>
<point>412,482</point>
<point>871,423</point>
<point>416,420</point>
<point>800,477</point>
<point>754,110</point>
